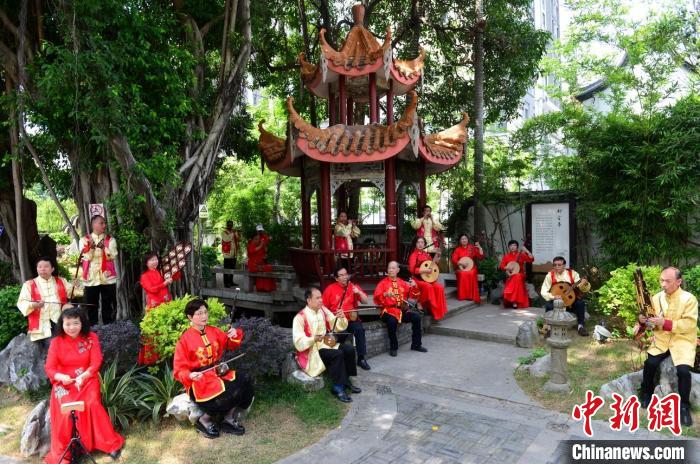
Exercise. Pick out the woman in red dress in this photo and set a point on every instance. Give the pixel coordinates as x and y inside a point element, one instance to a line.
<point>72,366</point>
<point>467,280</point>
<point>257,252</point>
<point>432,295</point>
<point>157,292</point>
<point>515,292</point>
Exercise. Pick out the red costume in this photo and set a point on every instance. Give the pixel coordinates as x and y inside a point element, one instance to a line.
<point>467,281</point>
<point>157,292</point>
<point>72,357</point>
<point>196,350</point>
<point>392,304</point>
<point>432,295</point>
<point>256,263</point>
<point>515,291</point>
<point>334,292</point>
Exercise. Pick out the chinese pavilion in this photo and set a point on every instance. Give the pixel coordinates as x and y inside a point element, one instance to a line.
<point>363,71</point>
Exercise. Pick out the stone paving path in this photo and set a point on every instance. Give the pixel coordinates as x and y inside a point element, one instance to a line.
<point>411,412</point>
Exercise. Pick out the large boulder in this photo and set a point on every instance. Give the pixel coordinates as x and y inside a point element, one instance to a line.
<point>308,383</point>
<point>497,293</point>
<point>36,433</point>
<point>629,384</point>
<point>183,408</point>
<point>22,364</point>
<point>528,334</point>
<point>289,365</point>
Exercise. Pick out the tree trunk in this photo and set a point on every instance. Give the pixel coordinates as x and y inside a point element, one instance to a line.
<point>479,216</point>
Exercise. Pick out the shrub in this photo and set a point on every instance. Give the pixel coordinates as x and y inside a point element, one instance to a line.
<point>12,322</point>
<point>119,340</point>
<point>156,392</point>
<point>492,274</point>
<point>210,258</point>
<point>120,395</point>
<point>618,297</point>
<point>164,324</point>
<point>263,346</point>
<point>61,238</point>
<point>6,276</point>
<point>691,280</point>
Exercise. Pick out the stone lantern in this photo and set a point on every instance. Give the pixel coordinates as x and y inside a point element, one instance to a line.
<point>560,321</point>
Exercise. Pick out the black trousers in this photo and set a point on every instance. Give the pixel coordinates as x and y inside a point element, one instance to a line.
<point>340,363</point>
<point>579,308</point>
<point>392,325</point>
<point>683,370</point>
<point>108,295</point>
<point>229,263</point>
<point>358,331</point>
<point>238,392</point>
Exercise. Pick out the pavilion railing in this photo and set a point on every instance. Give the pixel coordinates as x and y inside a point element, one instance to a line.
<point>318,265</point>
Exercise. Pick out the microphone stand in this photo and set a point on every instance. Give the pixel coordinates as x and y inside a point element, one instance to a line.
<point>75,445</point>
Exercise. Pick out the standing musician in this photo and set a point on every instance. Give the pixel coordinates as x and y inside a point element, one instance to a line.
<point>391,295</point>
<point>432,295</point>
<point>428,228</point>
<point>156,289</point>
<point>561,274</point>
<point>42,299</point>
<point>217,392</point>
<point>467,280</point>
<point>675,325</point>
<point>515,292</point>
<point>230,243</point>
<point>99,275</point>
<point>345,231</point>
<point>345,295</point>
<point>257,254</point>
<point>317,351</point>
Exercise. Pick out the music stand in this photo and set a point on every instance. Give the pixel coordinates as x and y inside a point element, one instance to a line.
<point>75,445</point>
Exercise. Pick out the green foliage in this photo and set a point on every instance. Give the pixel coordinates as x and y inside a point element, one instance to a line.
<point>164,324</point>
<point>533,356</point>
<point>618,296</point>
<point>313,408</point>
<point>48,218</point>
<point>6,276</point>
<point>691,280</point>
<point>492,274</point>
<point>12,322</point>
<point>120,395</point>
<point>157,390</point>
<point>282,236</point>
<point>210,258</point>
<point>61,238</point>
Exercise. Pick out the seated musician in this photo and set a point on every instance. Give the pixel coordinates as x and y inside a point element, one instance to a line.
<point>674,323</point>
<point>391,295</point>
<point>221,393</point>
<point>515,291</point>
<point>432,295</point>
<point>345,295</point>
<point>467,280</point>
<point>561,274</point>
<point>316,352</point>
<point>42,299</point>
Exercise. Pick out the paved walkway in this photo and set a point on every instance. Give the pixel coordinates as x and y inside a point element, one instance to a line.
<point>458,403</point>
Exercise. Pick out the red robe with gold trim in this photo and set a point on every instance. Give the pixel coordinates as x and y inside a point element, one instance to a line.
<point>196,350</point>
<point>73,356</point>
<point>515,291</point>
<point>157,292</point>
<point>334,292</point>
<point>467,281</point>
<point>392,304</point>
<point>432,295</point>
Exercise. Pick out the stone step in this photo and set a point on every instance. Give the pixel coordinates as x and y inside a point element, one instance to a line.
<point>473,334</point>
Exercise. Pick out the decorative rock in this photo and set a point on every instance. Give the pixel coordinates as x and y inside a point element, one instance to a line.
<point>22,364</point>
<point>308,383</point>
<point>497,293</point>
<point>540,368</point>
<point>289,365</point>
<point>625,386</point>
<point>183,408</point>
<point>36,433</point>
<point>527,335</point>
<point>531,291</point>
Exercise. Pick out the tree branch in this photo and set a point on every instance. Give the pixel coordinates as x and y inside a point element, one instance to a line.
<point>207,27</point>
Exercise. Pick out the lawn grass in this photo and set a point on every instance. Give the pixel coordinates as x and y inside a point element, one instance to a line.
<point>591,365</point>
<point>284,419</point>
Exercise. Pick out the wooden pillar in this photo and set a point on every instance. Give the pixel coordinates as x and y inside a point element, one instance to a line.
<point>350,110</point>
<point>305,211</point>
<point>325,215</point>
<point>391,206</point>
<point>342,106</point>
<point>373,110</point>
<point>422,193</point>
<point>331,106</point>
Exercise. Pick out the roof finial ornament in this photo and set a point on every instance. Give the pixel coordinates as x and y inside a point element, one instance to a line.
<point>358,14</point>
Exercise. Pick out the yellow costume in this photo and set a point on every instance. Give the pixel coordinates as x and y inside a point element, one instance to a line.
<point>681,308</point>
<point>308,323</point>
